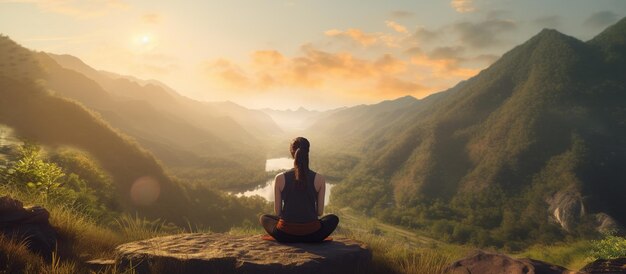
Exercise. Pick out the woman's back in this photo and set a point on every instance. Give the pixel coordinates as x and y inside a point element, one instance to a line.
<point>299,198</point>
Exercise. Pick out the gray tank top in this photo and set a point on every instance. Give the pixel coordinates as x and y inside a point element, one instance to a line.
<point>299,203</point>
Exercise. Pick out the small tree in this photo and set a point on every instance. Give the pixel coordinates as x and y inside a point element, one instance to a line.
<point>32,172</point>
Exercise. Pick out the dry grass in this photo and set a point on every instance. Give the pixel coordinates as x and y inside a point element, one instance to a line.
<point>135,228</point>
<point>15,256</point>
<point>389,255</point>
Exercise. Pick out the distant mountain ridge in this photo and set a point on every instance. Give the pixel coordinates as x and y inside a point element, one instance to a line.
<point>195,140</point>
<point>296,120</point>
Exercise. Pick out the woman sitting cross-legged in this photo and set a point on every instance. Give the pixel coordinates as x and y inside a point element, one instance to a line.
<point>299,200</point>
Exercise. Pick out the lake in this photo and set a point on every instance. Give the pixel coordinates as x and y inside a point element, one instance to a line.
<point>267,191</point>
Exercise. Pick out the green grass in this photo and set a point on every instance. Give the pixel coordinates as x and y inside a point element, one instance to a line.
<point>573,255</point>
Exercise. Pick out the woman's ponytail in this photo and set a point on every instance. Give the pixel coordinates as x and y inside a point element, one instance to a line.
<point>300,152</point>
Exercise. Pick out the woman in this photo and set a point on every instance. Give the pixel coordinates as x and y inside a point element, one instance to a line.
<point>299,200</point>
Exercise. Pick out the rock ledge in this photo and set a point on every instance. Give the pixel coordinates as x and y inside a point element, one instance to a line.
<point>224,253</point>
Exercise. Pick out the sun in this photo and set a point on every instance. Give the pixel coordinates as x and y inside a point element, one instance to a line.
<point>145,39</point>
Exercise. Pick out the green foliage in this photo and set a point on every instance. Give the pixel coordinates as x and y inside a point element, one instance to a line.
<point>32,172</point>
<point>609,247</point>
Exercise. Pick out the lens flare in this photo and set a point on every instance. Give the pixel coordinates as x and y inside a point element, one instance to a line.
<point>145,191</point>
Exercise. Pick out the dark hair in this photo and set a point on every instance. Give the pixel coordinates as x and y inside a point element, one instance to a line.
<point>299,149</point>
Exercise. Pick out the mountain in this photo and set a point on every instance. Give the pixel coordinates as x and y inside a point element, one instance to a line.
<point>296,120</point>
<point>216,143</point>
<point>346,129</point>
<point>538,134</point>
<point>34,113</point>
<point>34,106</point>
<point>215,117</point>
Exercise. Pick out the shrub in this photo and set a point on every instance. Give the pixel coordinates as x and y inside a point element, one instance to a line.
<point>610,247</point>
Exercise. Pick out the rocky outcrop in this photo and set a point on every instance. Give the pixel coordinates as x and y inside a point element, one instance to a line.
<point>567,208</point>
<point>224,253</point>
<point>606,224</point>
<point>27,223</point>
<point>494,263</point>
<point>610,266</point>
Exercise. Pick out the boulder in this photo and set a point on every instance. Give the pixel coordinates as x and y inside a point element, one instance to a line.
<point>607,224</point>
<point>27,223</point>
<point>494,263</point>
<point>567,208</point>
<point>606,266</point>
<point>224,253</point>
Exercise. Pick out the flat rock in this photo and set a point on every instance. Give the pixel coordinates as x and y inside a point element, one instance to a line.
<point>494,263</point>
<point>224,253</point>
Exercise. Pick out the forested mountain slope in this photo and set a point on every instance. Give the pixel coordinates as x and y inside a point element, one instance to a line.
<point>34,112</point>
<point>539,132</point>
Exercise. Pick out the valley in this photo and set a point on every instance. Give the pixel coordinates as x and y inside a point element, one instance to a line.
<point>523,157</point>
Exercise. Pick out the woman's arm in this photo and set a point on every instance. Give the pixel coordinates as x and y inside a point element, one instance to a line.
<point>320,185</point>
<point>279,184</point>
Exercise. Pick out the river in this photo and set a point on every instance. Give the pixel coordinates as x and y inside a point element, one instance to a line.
<point>267,191</point>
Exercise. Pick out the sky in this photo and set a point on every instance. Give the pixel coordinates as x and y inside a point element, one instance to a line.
<point>286,54</point>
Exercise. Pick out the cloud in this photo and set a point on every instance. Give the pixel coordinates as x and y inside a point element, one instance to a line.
<point>421,62</point>
<point>601,19</point>
<point>422,35</point>
<point>151,18</point>
<point>364,39</point>
<point>228,74</point>
<point>76,8</point>
<point>397,27</point>
<point>463,6</point>
<point>316,64</point>
<point>550,21</point>
<point>401,14</point>
<point>368,39</point>
<point>390,65</point>
<point>314,68</point>
<point>413,51</point>
<point>444,63</point>
<point>484,33</point>
<point>267,58</point>
<point>447,52</point>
